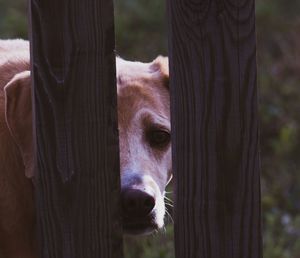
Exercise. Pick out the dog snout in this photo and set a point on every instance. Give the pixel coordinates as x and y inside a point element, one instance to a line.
<point>136,203</point>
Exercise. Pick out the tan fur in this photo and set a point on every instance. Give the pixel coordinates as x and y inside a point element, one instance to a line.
<point>143,90</point>
<point>143,100</point>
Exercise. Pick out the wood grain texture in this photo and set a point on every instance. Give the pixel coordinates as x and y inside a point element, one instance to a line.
<point>77,182</point>
<point>215,138</point>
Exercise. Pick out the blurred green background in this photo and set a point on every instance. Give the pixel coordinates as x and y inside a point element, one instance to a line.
<point>141,35</point>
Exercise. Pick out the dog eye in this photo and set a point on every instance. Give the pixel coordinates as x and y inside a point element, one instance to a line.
<point>158,138</point>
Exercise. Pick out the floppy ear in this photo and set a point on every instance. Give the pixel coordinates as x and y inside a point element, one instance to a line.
<point>161,66</point>
<point>18,115</point>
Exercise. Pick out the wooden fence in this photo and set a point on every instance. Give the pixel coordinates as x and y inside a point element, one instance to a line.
<point>215,144</point>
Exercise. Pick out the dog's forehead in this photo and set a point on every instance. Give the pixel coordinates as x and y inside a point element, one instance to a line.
<point>140,86</point>
<point>136,97</point>
<point>130,71</point>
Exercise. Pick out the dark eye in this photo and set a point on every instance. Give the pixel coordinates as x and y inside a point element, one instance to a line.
<point>158,138</point>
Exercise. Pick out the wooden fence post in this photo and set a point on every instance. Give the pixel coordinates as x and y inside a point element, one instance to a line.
<point>215,128</point>
<point>77,176</point>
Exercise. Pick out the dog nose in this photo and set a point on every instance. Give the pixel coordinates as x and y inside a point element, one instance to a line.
<point>136,203</point>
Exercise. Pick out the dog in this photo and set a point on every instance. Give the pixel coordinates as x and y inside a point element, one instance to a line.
<point>144,138</point>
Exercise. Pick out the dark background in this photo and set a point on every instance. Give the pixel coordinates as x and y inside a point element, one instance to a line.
<point>141,35</point>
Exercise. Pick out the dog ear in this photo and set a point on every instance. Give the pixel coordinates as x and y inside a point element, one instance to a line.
<point>18,115</point>
<point>160,65</point>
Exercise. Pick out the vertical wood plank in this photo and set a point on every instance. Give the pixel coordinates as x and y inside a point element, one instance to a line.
<point>77,177</point>
<point>215,128</point>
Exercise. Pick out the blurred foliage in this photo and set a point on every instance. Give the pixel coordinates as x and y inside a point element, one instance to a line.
<point>278,30</point>
<point>141,35</point>
<point>13,19</point>
<point>141,29</point>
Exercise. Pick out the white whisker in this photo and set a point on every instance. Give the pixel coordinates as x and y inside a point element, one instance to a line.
<point>169,204</point>
<point>168,192</point>
<point>169,215</point>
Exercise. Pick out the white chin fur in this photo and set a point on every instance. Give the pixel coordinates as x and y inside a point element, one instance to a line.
<point>159,208</point>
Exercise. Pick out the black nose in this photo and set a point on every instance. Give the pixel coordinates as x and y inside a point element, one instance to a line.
<point>136,203</point>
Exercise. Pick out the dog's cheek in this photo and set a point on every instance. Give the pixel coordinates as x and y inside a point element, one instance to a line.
<point>166,167</point>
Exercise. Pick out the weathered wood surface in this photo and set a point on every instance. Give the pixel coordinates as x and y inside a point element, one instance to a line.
<point>214,128</point>
<point>77,182</point>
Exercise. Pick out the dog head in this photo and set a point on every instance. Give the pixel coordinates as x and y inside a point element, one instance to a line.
<point>144,130</point>
<point>145,147</point>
